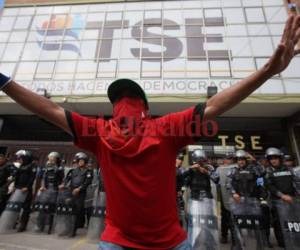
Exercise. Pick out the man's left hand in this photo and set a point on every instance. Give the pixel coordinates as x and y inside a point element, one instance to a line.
<point>286,49</point>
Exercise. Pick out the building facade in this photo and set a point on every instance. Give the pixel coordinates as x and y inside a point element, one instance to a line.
<point>176,50</point>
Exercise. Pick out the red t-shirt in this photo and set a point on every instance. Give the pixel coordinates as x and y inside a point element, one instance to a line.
<point>141,210</point>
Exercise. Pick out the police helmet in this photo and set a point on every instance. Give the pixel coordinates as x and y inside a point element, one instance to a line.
<point>273,152</point>
<point>25,155</point>
<point>241,154</point>
<point>81,156</point>
<point>198,155</point>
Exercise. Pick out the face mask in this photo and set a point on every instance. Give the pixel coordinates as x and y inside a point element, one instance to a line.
<point>129,110</point>
<point>17,164</point>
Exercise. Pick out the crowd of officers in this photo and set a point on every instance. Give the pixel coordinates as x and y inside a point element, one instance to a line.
<point>268,178</point>
<point>24,174</point>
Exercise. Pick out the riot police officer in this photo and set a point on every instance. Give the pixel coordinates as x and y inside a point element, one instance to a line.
<point>52,177</point>
<point>24,178</point>
<point>201,203</point>
<point>289,161</point>
<point>199,175</point>
<point>282,183</point>
<point>78,179</point>
<point>244,178</point>
<point>244,188</point>
<point>5,174</point>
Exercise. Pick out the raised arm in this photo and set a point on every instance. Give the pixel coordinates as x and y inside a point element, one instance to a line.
<point>281,58</point>
<point>38,105</point>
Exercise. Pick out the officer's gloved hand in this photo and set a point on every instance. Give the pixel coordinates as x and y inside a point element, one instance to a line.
<point>260,181</point>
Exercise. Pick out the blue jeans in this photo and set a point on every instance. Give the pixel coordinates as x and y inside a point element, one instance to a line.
<point>103,245</point>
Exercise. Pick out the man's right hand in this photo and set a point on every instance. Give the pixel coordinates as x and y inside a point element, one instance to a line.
<point>42,189</point>
<point>287,198</point>
<point>195,166</point>
<point>236,197</point>
<point>61,187</point>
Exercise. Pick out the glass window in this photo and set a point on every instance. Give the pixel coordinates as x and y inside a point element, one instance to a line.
<point>27,11</point>
<point>4,36</point>
<point>276,29</point>
<point>31,51</point>
<point>231,3</point>
<point>113,16</point>
<point>2,48</point>
<point>291,86</point>
<point>197,68</point>
<point>258,30</point>
<point>151,68</point>
<point>261,46</point>
<point>61,9</point>
<point>89,49</point>
<point>172,5</point>
<point>18,36</point>
<point>255,15</point>
<point>236,30</point>
<point>212,13</point>
<point>95,17</point>
<point>252,2</point>
<point>173,15</point>
<point>215,30</point>
<point>68,52</point>
<point>133,17</point>
<point>112,33</point>
<point>79,8</point>
<point>49,55</point>
<point>10,11</point>
<point>86,70</point>
<point>272,86</point>
<point>6,23</point>
<point>8,68</point>
<point>129,68</point>
<point>65,69</point>
<point>239,46</point>
<point>22,22</point>
<point>45,70</point>
<point>130,48</point>
<point>152,47</point>
<point>115,7</point>
<point>44,10</point>
<point>195,15</point>
<point>272,2</point>
<point>107,69</point>
<point>293,69</point>
<point>242,67</point>
<point>25,71</point>
<point>90,34</point>
<point>12,52</point>
<point>219,68</point>
<point>174,68</point>
<point>97,7</point>
<point>234,15</point>
<point>153,5</point>
<point>191,4</point>
<point>276,14</point>
<point>40,22</point>
<point>109,48</point>
<point>211,3</point>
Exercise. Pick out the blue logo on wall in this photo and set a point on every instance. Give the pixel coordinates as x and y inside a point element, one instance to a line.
<point>70,26</point>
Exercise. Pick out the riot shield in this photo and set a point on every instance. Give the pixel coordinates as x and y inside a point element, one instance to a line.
<point>96,225</point>
<point>12,210</point>
<point>44,209</point>
<point>203,224</point>
<point>247,221</point>
<point>65,216</point>
<point>90,195</point>
<point>289,217</point>
<point>224,171</point>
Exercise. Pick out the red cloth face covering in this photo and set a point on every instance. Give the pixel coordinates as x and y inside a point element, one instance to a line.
<point>120,135</point>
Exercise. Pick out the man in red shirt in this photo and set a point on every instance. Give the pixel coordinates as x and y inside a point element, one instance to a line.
<point>137,154</point>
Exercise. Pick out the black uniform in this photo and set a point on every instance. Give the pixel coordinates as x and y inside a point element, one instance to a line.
<point>52,177</point>
<point>199,183</point>
<point>244,181</point>
<point>24,178</point>
<point>281,180</point>
<point>79,178</point>
<point>5,173</point>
